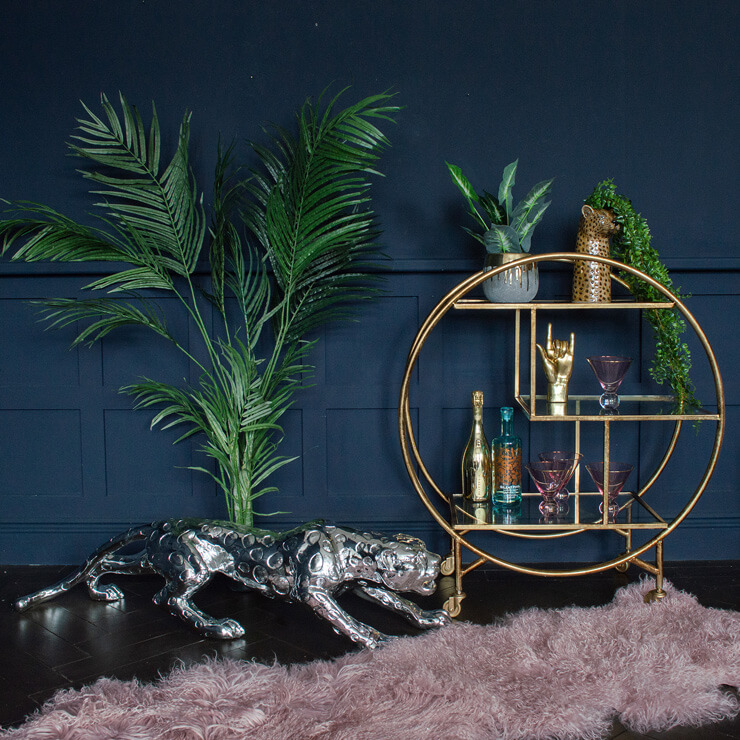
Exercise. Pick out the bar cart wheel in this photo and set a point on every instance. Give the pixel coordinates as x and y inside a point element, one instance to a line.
<point>453,605</point>
<point>447,568</point>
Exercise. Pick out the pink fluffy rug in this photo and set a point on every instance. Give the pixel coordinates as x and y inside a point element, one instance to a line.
<point>537,674</point>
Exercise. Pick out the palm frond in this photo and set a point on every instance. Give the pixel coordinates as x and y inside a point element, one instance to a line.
<point>157,219</point>
<point>226,196</point>
<point>311,201</point>
<point>107,314</point>
<point>162,211</point>
<point>237,417</point>
<point>45,234</point>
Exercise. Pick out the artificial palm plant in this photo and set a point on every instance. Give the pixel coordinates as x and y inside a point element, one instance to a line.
<point>296,265</point>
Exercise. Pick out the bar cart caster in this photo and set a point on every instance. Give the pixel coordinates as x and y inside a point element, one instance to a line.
<point>447,568</point>
<point>453,605</point>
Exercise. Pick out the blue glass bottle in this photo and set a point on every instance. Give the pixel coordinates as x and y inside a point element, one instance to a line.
<point>506,452</point>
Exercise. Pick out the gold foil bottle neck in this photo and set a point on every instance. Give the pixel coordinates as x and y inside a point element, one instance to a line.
<point>478,398</point>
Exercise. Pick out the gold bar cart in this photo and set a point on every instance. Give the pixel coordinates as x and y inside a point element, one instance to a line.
<point>460,518</point>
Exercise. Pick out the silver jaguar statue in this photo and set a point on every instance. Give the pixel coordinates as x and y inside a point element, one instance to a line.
<point>311,564</point>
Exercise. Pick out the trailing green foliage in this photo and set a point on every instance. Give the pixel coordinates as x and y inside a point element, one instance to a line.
<point>510,229</point>
<point>672,361</point>
<point>308,211</point>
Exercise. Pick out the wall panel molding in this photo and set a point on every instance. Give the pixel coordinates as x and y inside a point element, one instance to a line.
<point>343,428</point>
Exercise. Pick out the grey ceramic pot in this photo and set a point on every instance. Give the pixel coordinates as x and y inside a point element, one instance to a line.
<point>516,285</point>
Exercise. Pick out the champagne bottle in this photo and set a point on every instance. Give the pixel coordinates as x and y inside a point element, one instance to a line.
<point>476,461</point>
<point>506,452</point>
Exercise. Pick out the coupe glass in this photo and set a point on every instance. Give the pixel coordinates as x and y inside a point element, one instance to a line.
<point>610,371</point>
<point>568,460</point>
<point>618,474</point>
<point>549,479</point>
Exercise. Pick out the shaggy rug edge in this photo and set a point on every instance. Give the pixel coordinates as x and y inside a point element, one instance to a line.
<point>714,704</point>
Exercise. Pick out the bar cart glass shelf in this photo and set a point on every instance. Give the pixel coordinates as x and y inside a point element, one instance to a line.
<point>461,518</point>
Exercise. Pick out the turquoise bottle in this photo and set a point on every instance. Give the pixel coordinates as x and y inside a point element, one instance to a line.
<point>506,452</point>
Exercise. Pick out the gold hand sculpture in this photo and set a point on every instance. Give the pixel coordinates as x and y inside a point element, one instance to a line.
<point>557,360</point>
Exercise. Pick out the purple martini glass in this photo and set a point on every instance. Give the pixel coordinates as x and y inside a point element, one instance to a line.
<point>610,371</point>
<point>568,460</point>
<point>549,479</point>
<point>618,474</point>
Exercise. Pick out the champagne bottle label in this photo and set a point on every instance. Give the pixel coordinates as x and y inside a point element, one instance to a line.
<point>479,484</point>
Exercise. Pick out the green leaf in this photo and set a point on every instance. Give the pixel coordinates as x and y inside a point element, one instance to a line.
<point>526,230</point>
<point>501,238</point>
<point>493,208</point>
<point>529,210</point>
<point>106,314</point>
<point>462,182</point>
<point>48,235</point>
<point>525,242</point>
<point>138,278</point>
<point>468,191</point>
<point>504,189</point>
<point>310,211</point>
<point>477,236</point>
<point>160,214</point>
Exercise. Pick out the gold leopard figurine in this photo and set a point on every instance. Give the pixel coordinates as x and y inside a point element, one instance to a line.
<point>591,280</point>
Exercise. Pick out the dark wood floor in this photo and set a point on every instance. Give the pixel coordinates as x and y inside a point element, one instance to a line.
<point>71,641</point>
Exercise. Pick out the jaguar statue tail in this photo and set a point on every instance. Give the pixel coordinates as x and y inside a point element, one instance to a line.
<point>93,563</point>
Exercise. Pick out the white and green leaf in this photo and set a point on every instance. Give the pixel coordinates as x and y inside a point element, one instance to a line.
<point>505,196</point>
<point>501,239</point>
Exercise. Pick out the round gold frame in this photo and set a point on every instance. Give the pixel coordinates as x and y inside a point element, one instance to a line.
<point>412,457</point>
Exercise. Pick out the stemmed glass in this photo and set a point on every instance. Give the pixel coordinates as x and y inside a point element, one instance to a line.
<point>549,479</point>
<point>618,474</point>
<point>610,371</point>
<point>568,460</point>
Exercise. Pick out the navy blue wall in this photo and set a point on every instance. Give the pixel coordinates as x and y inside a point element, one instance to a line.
<point>646,93</point>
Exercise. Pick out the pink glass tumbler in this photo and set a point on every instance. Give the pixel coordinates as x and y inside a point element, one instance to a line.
<point>549,479</point>
<point>618,474</point>
<point>610,371</point>
<point>568,460</point>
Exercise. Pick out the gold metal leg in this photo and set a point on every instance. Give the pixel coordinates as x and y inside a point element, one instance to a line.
<point>627,534</point>
<point>453,605</point>
<point>447,566</point>
<point>657,593</point>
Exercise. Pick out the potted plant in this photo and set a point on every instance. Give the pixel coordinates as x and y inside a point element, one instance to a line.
<point>506,232</point>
